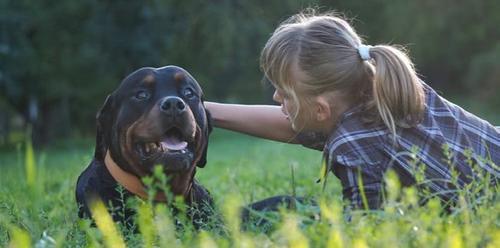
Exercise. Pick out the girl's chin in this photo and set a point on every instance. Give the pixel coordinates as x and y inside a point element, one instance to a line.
<point>298,129</point>
<point>306,128</point>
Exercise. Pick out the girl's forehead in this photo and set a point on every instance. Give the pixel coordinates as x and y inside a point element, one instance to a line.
<point>289,78</point>
<point>281,91</point>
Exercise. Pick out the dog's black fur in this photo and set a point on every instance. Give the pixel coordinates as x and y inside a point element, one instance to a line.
<point>146,121</point>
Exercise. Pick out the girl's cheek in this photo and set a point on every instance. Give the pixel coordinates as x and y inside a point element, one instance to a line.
<point>289,109</point>
<point>285,108</point>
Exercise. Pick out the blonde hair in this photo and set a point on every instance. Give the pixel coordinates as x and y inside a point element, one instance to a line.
<point>325,48</point>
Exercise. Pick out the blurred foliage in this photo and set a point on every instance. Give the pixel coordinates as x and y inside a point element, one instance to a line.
<point>66,56</point>
<point>241,170</point>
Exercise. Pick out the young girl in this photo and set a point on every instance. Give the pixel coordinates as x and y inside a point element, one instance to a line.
<point>366,109</point>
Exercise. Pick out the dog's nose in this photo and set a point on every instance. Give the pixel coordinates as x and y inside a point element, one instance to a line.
<point>173,105</point>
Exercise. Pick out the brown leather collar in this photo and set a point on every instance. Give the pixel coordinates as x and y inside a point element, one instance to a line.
<point>129,181</point>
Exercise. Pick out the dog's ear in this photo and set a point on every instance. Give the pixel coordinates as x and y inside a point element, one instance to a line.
<point>103,123</point>
<point>203,159</point>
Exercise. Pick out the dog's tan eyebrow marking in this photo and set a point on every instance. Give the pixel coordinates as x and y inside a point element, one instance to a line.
<point>179,76</point>
<point>149,80</point>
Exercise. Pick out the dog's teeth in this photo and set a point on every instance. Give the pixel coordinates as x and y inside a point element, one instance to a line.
<point>146,148</point>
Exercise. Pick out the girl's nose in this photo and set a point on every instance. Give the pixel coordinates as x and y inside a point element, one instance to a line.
<point>277,97</point>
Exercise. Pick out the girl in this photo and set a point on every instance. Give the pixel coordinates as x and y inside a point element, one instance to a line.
<point>366,109</point>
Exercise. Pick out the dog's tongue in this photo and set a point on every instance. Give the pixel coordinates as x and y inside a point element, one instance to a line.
<point>173,143</point>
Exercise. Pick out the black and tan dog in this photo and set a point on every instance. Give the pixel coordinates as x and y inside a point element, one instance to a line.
<point>155,117</point>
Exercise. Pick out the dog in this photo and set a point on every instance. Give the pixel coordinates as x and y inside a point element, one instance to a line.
<point>155,117</point>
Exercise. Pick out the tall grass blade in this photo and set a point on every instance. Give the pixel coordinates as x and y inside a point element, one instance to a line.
<point>205,241</point>
<point>361,188</point>
<point>291,233</point>
<point>232,218</point>
<point>454,237</point>
<point>335,239</point>
<point>323,171</point>
<point>106,225</point>
<point>165,227</point>
<point>91,241</point>
<point>20,238</point>
<point>29,162</point>
<point>145,221</point>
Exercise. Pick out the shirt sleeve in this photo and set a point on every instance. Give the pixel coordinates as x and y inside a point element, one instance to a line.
<point>312,140</point>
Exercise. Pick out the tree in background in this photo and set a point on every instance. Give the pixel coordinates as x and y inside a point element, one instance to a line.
<point>59,59</point>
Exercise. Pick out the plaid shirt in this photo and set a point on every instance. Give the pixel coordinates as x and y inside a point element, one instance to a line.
<point>445,143</point>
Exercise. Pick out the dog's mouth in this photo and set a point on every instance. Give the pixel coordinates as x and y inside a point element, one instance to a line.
<point>173,141</point>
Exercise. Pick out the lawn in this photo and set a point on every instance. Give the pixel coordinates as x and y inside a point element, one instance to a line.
<point>39,209</point>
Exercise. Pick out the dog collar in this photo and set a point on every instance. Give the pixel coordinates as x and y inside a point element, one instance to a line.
<point>130,182</point>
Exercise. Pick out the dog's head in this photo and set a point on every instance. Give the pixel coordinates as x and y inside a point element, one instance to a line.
<point>155,117</point>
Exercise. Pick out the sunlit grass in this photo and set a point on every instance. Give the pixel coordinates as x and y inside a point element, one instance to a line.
<point>104,222</point>
<point>240,170</point>
<point>30,165</point>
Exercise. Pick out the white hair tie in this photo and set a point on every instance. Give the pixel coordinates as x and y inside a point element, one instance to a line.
<point>364,52</point>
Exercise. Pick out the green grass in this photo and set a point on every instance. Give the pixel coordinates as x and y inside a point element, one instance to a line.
<point>240,170</point>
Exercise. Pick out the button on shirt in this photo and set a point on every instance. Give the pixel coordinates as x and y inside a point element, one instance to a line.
<point>450,148</point>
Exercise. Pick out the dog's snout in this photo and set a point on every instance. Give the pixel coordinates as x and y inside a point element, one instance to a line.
<point>173,105</point>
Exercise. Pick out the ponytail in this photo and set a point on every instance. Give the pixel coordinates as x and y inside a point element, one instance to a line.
<point>398,94</point>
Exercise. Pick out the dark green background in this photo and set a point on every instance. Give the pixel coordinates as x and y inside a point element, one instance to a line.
<point>64,57</point>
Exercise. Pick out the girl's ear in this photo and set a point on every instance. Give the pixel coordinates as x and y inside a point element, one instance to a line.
<point>322,109</point>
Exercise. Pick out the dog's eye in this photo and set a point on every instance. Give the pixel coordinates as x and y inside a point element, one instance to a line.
<point>142,95</point>
<point>189,93</point>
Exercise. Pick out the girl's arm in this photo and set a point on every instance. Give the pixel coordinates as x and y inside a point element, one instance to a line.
<point>264,121</point>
